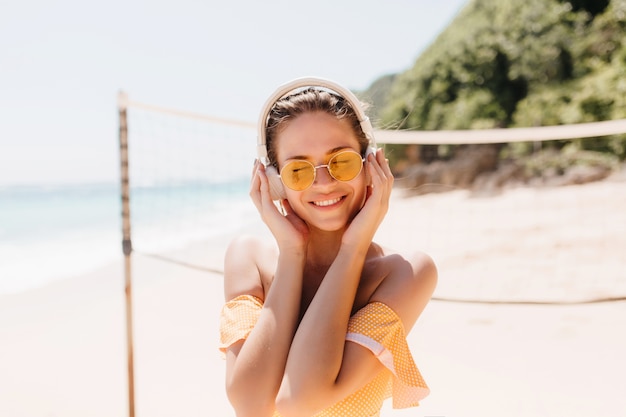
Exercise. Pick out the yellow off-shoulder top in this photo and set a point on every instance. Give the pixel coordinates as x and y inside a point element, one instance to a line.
<point>376,327</point>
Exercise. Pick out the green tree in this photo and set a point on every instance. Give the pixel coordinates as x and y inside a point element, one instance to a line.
<point>505,63</point>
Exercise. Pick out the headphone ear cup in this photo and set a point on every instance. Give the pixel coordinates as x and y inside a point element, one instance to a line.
<point>277,189</point>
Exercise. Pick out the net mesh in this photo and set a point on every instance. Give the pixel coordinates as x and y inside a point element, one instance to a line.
<point>189,177</point>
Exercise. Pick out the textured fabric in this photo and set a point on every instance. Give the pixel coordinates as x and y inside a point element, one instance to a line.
<point>376,327</point>
<point>238,317</point>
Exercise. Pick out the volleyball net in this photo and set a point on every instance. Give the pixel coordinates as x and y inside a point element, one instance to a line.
<point>188,183</point>
<point>188,176</point>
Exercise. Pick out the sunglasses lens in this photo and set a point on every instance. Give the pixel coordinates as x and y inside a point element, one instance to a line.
<point>345,166</point>
<point>298,175</point>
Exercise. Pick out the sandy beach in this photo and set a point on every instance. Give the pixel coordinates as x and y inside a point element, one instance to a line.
<point>520,324</point>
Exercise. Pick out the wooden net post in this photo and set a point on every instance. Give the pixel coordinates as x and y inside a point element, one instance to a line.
<point>126,244</point>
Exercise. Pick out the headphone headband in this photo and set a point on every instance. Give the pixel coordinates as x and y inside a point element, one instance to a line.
<point>300,83</point>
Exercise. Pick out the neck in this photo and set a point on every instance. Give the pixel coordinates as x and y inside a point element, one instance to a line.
<point>323,248</point>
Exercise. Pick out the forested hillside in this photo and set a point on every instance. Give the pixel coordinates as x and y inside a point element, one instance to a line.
<point>511,63</point>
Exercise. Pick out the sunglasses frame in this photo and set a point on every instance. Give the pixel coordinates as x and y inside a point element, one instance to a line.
<point>327,166</point>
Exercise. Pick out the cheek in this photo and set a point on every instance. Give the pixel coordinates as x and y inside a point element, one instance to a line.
<point>295,201</point>
<point>361,190</point>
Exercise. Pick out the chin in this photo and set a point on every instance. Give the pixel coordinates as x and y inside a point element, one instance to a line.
<point>333,227</point>
<point>333,224</point>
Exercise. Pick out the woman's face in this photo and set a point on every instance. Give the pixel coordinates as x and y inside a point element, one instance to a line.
<point>328,204</point>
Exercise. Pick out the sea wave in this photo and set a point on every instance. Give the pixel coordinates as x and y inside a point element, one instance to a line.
<point>53,232</point>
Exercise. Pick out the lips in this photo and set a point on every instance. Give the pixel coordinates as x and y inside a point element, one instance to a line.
<point>326,203</point>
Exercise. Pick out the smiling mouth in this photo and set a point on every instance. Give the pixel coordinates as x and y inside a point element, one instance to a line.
<point>326,203</point>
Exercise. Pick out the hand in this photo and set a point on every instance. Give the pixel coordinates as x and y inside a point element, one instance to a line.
<point>363,227</point>
<point>289,230</point>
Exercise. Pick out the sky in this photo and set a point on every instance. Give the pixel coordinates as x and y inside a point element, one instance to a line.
<point>63,62</point>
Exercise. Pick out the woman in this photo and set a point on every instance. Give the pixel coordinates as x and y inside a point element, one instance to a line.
<point>314,322</point>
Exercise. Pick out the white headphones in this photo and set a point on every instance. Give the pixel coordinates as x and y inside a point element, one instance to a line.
<point>277,189</point>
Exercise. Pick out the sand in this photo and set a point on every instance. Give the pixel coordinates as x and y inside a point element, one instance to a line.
<point>63,346</point>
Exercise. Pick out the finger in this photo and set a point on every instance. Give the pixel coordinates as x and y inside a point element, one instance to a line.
<point>269,205</point>
<point>255,183</point>
<point>259,191</point>
<point>375,170</point>
<point>287,207</point>
<point>385,169</point>
<point>255,166</point>
<point>264,186</point>
<point>384,163</point>
<point>382,183</point>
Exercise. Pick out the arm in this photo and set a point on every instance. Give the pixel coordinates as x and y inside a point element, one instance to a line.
<point>308,387</point>
<point>254,368</point>
<point>316,353</point>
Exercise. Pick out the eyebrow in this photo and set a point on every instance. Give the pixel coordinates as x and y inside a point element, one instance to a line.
<point>332,151</point>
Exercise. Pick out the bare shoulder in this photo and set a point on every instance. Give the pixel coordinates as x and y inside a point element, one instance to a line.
<point>246,264</point>
<point>408,285</point>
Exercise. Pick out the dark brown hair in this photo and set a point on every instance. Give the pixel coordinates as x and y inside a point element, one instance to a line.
<point>309,100</point>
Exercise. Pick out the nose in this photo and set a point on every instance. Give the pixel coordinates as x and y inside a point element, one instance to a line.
<point>322,175</point>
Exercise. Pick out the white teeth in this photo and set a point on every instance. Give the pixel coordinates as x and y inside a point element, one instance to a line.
<point>327,202</point>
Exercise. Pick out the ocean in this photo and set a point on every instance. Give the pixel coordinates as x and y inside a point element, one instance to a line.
<point>49,233</point>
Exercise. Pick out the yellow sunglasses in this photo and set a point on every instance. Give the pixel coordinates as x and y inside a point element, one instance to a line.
<point>299,174</point>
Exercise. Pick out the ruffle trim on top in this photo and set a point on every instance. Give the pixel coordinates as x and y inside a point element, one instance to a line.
<point>237,319</point>
<point>378,328</point>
